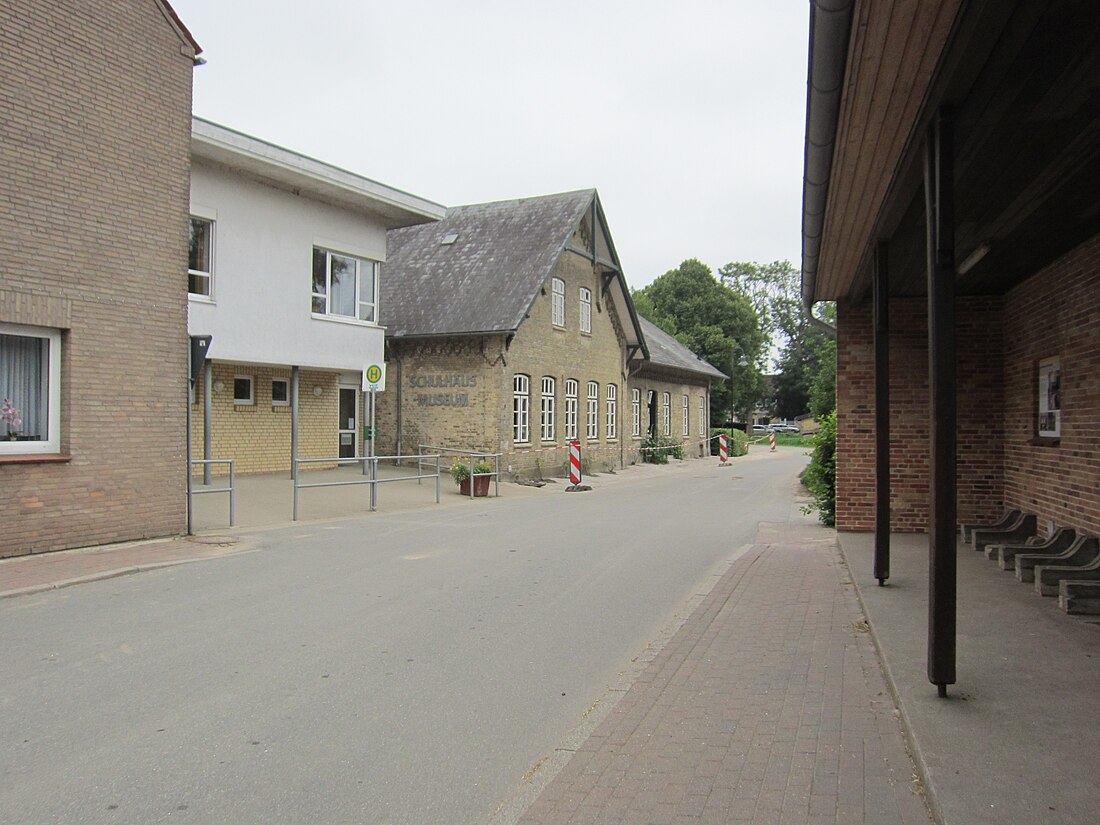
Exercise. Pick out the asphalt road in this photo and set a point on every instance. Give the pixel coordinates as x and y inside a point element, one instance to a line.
<point>403,668</point>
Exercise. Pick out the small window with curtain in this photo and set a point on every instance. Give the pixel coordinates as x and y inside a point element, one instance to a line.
<point>557,289</point>
<point>30,389</point>
<point>586,310</point>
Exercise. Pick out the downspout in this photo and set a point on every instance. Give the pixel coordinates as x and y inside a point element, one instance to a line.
<point>830,29</point>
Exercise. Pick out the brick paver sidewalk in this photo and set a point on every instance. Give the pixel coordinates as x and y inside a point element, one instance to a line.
<point>28,574</point>
<point>767,706</point>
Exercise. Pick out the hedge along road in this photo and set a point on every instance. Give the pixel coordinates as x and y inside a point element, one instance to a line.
<point>396,668</point>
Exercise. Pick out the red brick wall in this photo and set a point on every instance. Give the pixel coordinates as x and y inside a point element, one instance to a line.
<point>1056,312</point>
<point>979,459</point>
<point>95,158</point>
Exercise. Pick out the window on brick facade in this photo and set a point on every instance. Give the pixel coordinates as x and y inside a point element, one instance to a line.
<point>612,411</point>
<point>571,388</point>
<point>666,409</point>
<point>242,390</point>
<point>687,429</point>
<point>546,410</point>
<point>557,289</point>
<point>30,389</point>
<point>636,412</point>
<point>702,415</point>
<point>280,392</point>
<point>592,430</point>
<point>521,409</point>
<point>200,257</point>
<point>344,286</point>
<point>586,310</point>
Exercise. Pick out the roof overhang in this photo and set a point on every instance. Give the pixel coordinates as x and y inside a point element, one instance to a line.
<point>303,175</point>
<point>1023,82</point>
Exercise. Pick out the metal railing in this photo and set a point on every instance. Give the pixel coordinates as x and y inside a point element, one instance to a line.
<point>206,462</point>
<point>472,457</point>
<point>370,468</point>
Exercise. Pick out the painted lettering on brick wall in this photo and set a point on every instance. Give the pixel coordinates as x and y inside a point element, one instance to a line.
<point>418,381</point>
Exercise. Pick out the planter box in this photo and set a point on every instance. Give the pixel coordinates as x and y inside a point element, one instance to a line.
<point>481,486</point>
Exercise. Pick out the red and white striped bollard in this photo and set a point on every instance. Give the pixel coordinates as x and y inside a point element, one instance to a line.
<point>723,448</point>
<point>574,462</point>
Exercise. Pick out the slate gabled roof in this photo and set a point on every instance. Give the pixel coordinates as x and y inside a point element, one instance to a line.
<point>479,269</point>
<point>666,351</point>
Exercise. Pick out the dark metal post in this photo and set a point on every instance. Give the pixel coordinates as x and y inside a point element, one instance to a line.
<point>207,420</point>
<point>939,207</point>
<point>294,432</point>
<point>882,413</point>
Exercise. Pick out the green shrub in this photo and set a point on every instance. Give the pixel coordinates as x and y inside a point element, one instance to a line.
<point>820,476</point>
<point>658,450</point>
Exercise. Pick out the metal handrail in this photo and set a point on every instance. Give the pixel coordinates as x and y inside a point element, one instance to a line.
<point>230,489</point>
<point>370,462</point>
<point>471,456</point>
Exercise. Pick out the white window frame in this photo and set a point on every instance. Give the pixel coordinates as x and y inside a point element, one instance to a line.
<point>702,415</point>
<point>586,310</point>
<point>521,409</point>
<point>592,419</point>
<point>666,408</point>
<point>244,402</point>
<point>208,273</point>
<point>52,442</point>
<point>687,425</point>
<point>546,409</point>
<point>286,383</point>
<point>612,405</point>
<point>320,301</point>
<point>557,302</point>
<point>571,390</point>
<point>636,412</point>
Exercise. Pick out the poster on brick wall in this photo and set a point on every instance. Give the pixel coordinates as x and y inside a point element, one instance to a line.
<point>1050,397</point>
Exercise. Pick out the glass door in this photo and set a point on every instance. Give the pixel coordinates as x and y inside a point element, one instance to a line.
<point>349,420</point>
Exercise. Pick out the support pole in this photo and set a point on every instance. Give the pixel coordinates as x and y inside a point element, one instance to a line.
<point>939,202</point>
<point>207,420</point>
<point>882,413</point>
<point>294,431</point>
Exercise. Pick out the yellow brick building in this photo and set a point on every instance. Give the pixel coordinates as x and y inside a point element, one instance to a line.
<point>509,329</point>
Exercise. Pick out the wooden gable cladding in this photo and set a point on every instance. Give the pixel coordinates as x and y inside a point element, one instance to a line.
<point>893,54</point>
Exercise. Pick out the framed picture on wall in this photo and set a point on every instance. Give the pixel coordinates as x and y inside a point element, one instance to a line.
<point>1050,398</point>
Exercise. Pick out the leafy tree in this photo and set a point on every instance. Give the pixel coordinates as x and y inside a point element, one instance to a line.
<point>714,322</point>
<point>806,379</point>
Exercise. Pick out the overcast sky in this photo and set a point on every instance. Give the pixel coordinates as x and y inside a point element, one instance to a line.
<point>687,116</point>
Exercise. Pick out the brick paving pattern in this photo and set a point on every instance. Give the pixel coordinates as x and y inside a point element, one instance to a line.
<point>768,706</point>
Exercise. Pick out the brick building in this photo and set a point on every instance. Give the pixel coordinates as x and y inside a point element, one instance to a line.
<point>285,260</point>
<point>510,329</point>
<point>951,209</point>
<point>94,153</point>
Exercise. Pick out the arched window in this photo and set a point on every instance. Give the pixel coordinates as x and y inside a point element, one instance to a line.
<point>586,310</point>
<point>593,419</point>
<point>571,387</point>
<point>612,411</point>
<point>557,286</point>
<point>636,412</point>
<point>521,407</point>
<point>546,417</point>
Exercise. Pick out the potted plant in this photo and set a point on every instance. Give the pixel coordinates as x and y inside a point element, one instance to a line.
<point>460,472</point>
<point>10,415</point>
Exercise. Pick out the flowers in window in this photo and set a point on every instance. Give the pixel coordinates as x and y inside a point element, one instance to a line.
<point>10,415</point>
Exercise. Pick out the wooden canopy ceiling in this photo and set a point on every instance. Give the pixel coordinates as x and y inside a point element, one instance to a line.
<point>1023,79</point>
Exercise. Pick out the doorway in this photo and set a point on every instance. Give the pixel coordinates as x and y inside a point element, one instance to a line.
<point>349,422</point>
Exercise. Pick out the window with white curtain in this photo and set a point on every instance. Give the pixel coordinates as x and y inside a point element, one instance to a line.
<point>30,389</point>
<point>586,309</point>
